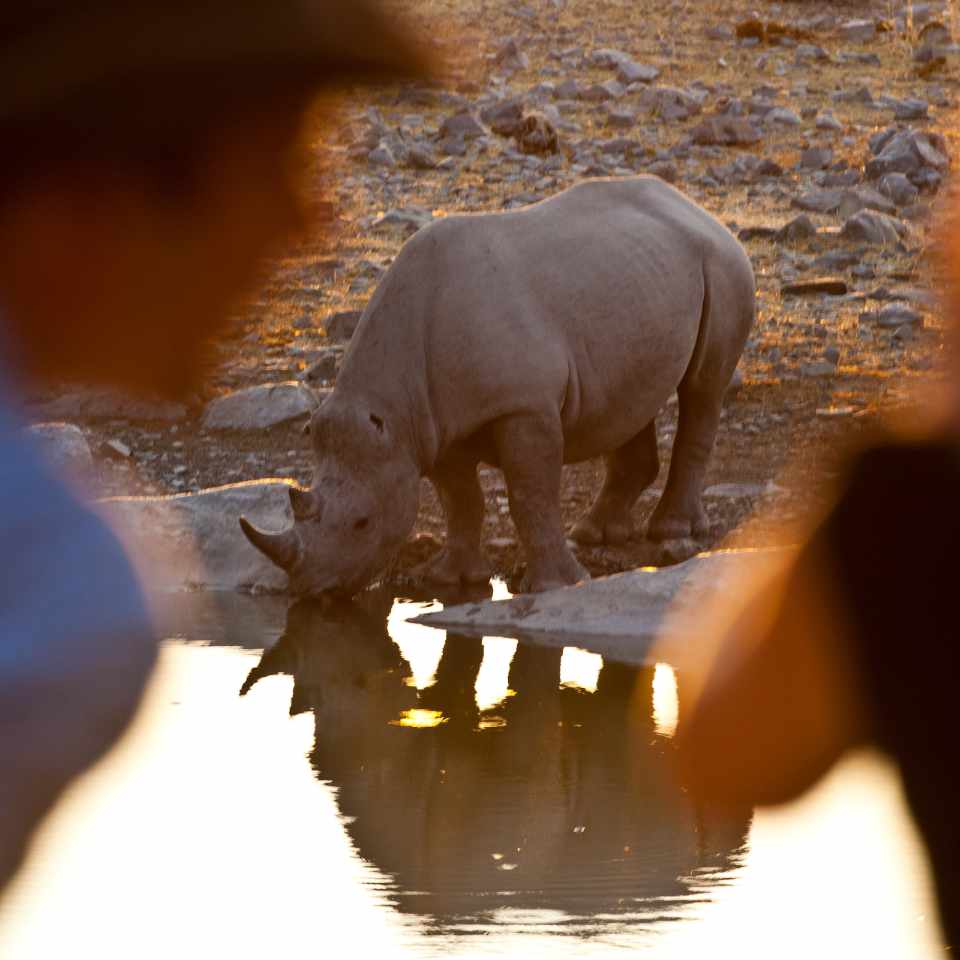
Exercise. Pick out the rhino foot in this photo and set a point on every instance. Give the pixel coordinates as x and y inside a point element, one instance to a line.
<point>669,524</point>
<point>562,572</point>
<point>451,567</point>
<point>593,531</point>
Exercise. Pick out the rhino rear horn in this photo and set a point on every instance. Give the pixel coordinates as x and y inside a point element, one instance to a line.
<point>301,503</point>
<point>281,548</point>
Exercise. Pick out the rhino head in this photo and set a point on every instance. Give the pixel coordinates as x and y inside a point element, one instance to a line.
<point>358,512</point>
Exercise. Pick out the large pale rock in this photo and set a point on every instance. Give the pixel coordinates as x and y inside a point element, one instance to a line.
<point>257,408</point>
<point>193,540</point>
<point>64,446</point>
<point>619,616</point>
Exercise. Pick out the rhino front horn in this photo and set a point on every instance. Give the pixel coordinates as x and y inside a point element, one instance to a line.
<point>281,548</point>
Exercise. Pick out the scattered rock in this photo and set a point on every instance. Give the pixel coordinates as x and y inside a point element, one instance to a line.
<point>816,158</point>
<point>796,230</point>
<point>420,156</point>
<point>608,90</point>
<point>99,403</point>
<point>827,121</point>
<point>504,117</point>
<point>725,131</point>
<point>382,156</point>
<point>64,447</point>
<point>409,219</point>
<point>192,541</point>
<point>538,135</point>
<point>876,229</point>
<point>910,109</point>
<point>818,201</point>
<point>510,57</point>
<point>665,170</point>
<point>820,285</point>
<point>116,450</point>
<point>257,408</point>
<point>819,368</point>
<point>905,151</point>
<point>858,31</point>
<point>630,72</point>
<point>340,326</point>
<point>324,369</point>
<point>670,103</point>
<point>463,125</point>
<point>899,189</point>
<point>894,315</point>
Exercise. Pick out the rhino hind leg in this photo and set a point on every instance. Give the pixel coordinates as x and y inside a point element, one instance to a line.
<point>530,452</point>
<point>630,470</point>
<point>461,560</point>
<point>679,514</point>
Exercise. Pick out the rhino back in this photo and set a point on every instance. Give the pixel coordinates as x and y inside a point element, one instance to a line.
<point>588,303</point>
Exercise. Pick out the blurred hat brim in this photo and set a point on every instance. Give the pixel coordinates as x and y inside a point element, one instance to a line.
<point>326,43</point>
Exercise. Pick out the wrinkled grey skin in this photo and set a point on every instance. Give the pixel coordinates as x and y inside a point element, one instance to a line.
<point>525,339</point>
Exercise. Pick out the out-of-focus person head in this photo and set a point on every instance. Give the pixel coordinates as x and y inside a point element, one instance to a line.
<point>150,163</point>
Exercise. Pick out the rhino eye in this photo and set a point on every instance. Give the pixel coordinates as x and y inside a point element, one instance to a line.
<point>377,421</point>
<point>361,523</point>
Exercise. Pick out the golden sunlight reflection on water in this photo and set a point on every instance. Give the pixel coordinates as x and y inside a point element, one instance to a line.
<point>666,704</point>
<point>207,834</point>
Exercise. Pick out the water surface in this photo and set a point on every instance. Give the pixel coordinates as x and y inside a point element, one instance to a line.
<point>383,788</point>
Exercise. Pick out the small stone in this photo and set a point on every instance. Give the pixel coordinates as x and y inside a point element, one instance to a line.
<point>894,315</point>
<point>818,286</point>
<point>598,92</point>
<point>665,170</point>
<point>819,368</point>
<point>420,156</point>
<point>725,131</point>
<point>831,354</point>
<point>409,219</point>
<point>783,116</point>
<point>798,229</point>
<point>910,109</point>
<point>538,135</point>
<point>827,121</point>
<point>816,158</point>
<point>899,189</point>
<point>630,72</point>
<point>340,326</point>
<point>510,57</point>
<point>621,117</point>
<point>382,156</point>
<point>324,369</point>
<point>462,126</point>
<point>877,229</point>
<point>504,118</point>
<point>116,449</point>
<point>858,31</point>
<point>818,201</point>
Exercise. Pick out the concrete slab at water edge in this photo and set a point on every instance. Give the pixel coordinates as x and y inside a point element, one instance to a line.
<point>618,616</point>
<point>193,540</point>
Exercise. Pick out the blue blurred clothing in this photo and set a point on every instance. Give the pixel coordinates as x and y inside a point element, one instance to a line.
<point>76,644</point>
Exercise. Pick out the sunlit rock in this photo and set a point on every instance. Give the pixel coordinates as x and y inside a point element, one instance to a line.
<point>257,408</point>
<point>193,540</point>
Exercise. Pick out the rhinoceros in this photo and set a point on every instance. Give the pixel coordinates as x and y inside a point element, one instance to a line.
<point>524,339</point>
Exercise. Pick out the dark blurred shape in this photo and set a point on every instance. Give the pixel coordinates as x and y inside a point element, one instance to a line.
<point>150,163</point>
<point>555,799</point>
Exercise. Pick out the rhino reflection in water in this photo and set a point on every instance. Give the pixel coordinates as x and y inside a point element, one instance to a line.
<point>567,803</point>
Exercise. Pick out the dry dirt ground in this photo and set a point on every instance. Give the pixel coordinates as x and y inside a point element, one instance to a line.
<point>816,372</point>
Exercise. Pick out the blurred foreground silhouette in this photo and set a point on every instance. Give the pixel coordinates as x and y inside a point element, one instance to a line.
<point>148,168</point>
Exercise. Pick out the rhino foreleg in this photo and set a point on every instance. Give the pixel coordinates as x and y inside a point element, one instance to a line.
<point>462,559</point>
<point>530,450</point>
<point>630,470</point>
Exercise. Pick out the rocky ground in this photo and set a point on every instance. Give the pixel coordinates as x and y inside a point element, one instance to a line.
<point>820,133</point>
